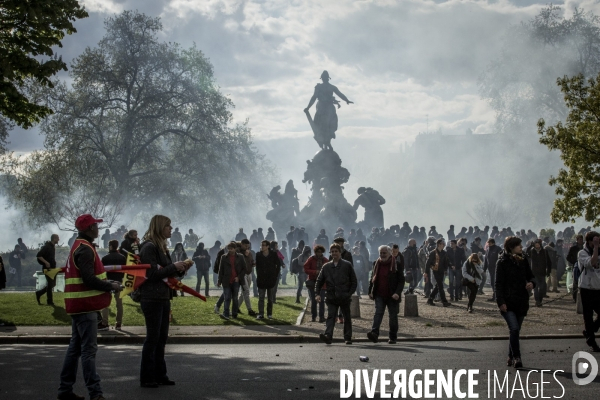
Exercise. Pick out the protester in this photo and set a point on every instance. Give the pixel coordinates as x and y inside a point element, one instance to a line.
<point>361,269</point>
<point>191,240</point>
<point>411,262</point>
<point>231,272</point>
<point>338,274</point>
<point>130,243</point>
<point>284,271</point>
<point>540,266</point>
<point>457,257</point>
<point>572,260</point>
<point>437,264</point>
<point>472,273</point>
<point>268,266</point>
<point>86,292</point>
<point>514,281</point>
<point>114,257</point>
<point>312,267</point>
<point>46,257</point>
<point>240,235</point>
<point>177,255</point>
<point>552,282</point>
<point>491,258</point>
<point>246,278</point>
<point>213,252</point>
<point>301,260</point>
<point>385,288</point>
<point>201,258</point>
<point>176,237</point>
<point>14,261</point>
<point>156,300</point>
<point>106,237</point>
<point>589,287</point>
<point>275,248</point>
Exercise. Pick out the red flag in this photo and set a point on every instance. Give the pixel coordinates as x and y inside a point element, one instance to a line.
<point>177,285</point>
<point>132,280</point>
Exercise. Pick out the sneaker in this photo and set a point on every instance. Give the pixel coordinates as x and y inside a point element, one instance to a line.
<point>102,327</point>
<point>518,363</point>
<point>217,310</point>
<point>70,396</point>
<point>446,304</point>
<point>391,341</point>
<point>118,327</point>
<point>373,337</point>
<point>252,313</point>
<point>260,316</point>
<point>470,310</point>
<point>430,302</point>
<point>325,338</point>
<point>348,342</point>
<point>224,317</point>
<point>269,316</point>
<point>509,362</point>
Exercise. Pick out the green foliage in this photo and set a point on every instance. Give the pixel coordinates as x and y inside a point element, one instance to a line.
<point>145,124</point>
<point>578,183</point>
<point>21,309</point>
<point>29,29</point>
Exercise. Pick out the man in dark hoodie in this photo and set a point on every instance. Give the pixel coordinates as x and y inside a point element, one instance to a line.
<point>541,267</point>
<point>346,255</point>
<point>411,263</point>
<point>457,257</point>
<point>46,258</point>
<point>201,258</point>
<point>213,252</point>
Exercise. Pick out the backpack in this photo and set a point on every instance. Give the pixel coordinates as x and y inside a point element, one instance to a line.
<point>295,268</point>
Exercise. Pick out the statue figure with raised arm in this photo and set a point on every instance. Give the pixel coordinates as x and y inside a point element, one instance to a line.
<point>325,122</point>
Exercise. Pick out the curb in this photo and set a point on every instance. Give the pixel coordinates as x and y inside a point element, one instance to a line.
<point>301,316</point>
<point>254,339</point>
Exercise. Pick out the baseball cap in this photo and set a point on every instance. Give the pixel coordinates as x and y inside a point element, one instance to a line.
<point>84,221</point>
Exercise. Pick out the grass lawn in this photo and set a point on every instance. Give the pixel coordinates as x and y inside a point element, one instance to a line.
<point>21,309</point>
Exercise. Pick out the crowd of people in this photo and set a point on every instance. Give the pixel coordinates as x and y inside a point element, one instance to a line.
<point>385,266</point>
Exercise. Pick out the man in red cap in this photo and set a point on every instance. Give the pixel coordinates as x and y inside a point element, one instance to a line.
<point>86,292</point>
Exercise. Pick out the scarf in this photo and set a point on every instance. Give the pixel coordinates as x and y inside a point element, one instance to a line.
<point>390,263</point>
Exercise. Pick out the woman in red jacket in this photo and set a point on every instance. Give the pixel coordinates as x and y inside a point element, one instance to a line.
<point>312,267</point>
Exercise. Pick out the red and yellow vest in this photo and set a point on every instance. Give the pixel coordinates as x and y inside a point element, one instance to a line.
<point>78,297</point>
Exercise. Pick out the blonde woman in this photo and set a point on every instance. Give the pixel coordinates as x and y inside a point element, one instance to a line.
<point>156,300</point>
<point>472,272</point>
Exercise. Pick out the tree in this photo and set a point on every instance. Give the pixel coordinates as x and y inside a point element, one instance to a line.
<point>520,83</point>
<point>491,213</point>
<point>578,183</point>
<point>30,29</point>
<point>160,133</point>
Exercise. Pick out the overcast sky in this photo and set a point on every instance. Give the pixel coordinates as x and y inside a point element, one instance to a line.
<point>405,64</point>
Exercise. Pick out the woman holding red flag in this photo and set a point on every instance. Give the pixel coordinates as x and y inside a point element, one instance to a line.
<point>156,300</point>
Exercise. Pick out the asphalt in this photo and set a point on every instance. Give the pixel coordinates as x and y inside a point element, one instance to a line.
<point>294,370</point>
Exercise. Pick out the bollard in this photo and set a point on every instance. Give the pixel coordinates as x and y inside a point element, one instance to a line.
<point>355,307</point>
<point>411,306</point>
<point>579,305</point>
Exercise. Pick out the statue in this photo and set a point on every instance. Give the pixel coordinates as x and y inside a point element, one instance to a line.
<point>285,207</point>
<point>372,201</point>
<point>326,121</point>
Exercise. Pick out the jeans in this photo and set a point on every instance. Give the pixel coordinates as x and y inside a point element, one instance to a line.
<point>514,322</point>
<point>473,288</point>
<point>231,294</point>
<point>301,280</point>
<point>156,314</point>
<point>455,282</point>
<point>119,303</point>
<point>439,286</point>
<point>13,276</point>
<point>393,307</point>
<point>254,288</point>
<point>84,330</point>
<point>540,288</point>
<point>245,292</point>
<point>590,300</point>
<point>202,274</point>
<point>413,278</point>
<point>313,303</point>
<point>50,283</point>
<point>332,312</point>
<point>261,301</point>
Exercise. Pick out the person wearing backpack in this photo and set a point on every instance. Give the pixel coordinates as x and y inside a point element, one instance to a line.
<point>298,268</point>
<point>589,287</point>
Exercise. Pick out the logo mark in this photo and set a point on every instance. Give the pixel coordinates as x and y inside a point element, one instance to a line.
<point>590,366</point>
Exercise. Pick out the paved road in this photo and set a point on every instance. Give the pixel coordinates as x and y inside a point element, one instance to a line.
<point>285,371</point>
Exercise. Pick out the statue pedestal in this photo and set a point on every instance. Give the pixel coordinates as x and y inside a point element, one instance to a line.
<point>411,307</point>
